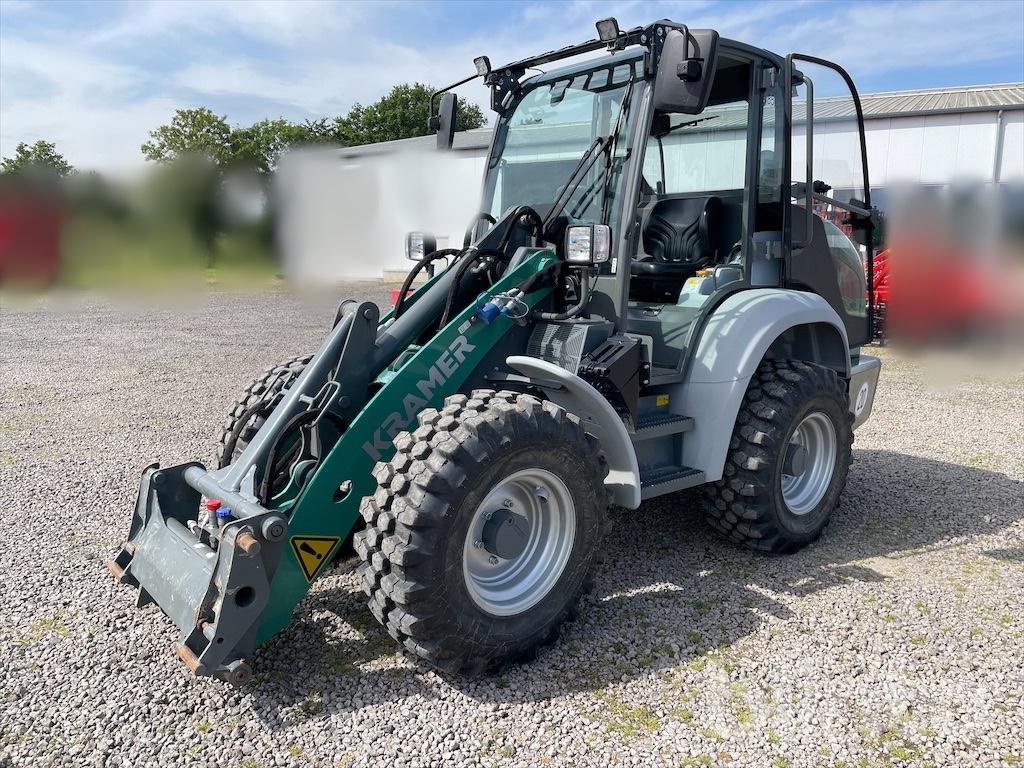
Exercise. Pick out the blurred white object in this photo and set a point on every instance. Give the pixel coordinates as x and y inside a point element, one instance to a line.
<point>347,217</point>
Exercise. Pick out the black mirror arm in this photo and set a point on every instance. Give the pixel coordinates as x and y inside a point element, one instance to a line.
<point>433,121</point>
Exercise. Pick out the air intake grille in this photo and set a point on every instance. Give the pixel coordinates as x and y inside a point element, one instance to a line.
<point>558,343</point>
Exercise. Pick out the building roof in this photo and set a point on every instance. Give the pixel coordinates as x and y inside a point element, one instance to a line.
<point>971,98</point>
<point>476,138</point>
<point>928,101</point>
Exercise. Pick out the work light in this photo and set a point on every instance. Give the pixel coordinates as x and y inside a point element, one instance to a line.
<point>608,30</point>
<point>588,244</point>
<point>418,245</point>
<point>483,66</point>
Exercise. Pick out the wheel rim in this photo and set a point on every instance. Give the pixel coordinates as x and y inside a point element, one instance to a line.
<point>812,449</point>
<point>505,586</point>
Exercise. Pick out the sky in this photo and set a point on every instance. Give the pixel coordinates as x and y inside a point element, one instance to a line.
<point>96,77</point>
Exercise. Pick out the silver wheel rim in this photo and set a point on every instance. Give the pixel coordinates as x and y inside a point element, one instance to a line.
<point>505,587</point>
<point>803,490</point>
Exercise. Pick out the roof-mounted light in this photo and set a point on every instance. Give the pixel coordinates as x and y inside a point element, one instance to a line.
<point>483,66</point>
<point>608,30</point>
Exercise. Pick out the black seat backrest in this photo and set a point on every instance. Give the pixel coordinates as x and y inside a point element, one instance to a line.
<point>684,230</point>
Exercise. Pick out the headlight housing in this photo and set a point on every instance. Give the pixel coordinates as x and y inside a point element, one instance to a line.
<point>418,245</point>
<point>588,244</point>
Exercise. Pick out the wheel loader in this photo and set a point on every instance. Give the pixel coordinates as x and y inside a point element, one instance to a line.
<point>647,302</point>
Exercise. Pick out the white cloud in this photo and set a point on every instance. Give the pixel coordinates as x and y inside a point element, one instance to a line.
<point>98,89</point>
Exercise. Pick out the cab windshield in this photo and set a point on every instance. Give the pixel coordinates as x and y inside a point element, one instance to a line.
<point>553,124</point>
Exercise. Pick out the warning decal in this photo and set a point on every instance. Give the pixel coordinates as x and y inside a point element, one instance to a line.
<point>312,552</point>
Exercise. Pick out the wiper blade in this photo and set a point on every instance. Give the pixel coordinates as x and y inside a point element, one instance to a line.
<point>602,145</point>
<point>687,124</point>
<point>597,147</point>
<point>613,147</point>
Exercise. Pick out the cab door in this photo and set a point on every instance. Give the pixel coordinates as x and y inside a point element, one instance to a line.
<point>827,224</point>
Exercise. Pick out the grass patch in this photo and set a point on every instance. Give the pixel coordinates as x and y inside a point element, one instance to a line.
<point>682,714</point>
<point>983,460</point>
<point>626,720</point>
<point>42,628</point>
<point>193,752</point>
<point>711,734</point>
<point>313,704</point>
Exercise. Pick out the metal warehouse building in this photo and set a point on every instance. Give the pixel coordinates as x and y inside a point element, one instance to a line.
<point>931,138</point>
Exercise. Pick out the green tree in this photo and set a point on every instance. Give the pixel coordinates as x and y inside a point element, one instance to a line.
<point>401,114</point>
<point>260,145</point>
<point>42,155</point>
<point>191,132</point>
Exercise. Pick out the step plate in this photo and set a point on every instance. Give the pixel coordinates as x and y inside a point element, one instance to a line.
<point>657,481</point>
<point>651,426</point>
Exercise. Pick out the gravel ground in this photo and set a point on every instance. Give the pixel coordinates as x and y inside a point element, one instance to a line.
<point>895,640</point>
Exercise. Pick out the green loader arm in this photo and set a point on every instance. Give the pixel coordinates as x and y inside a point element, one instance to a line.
<point>436,370</point>
<point>232,584</point>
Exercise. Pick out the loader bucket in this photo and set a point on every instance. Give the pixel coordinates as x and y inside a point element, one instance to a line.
<point>214,588</point>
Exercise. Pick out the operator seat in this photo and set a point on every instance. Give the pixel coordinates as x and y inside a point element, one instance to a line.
<point>680,237</point>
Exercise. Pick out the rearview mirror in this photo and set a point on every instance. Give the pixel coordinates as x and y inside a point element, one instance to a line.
<point>685,71</point>
<point>445,121</point>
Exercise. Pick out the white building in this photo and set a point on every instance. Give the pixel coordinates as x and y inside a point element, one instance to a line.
<point>345,212</point>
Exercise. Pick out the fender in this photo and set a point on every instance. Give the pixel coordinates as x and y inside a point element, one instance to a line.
<point>733,342</point>
<point>599,419</point>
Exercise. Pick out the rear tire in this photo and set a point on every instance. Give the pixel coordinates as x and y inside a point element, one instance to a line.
<point>425,561</point>
<point>247,415</point>
<point>794,416</point>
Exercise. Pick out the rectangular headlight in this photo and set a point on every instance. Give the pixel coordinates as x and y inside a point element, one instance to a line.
<point>588,244</point>
<point>418,245</point>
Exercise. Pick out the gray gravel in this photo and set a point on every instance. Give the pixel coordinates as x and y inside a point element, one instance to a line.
<point>896,640</point>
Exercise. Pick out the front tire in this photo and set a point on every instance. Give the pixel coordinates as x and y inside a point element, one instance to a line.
<point>483,531</point>
<point>788,459</point>
<point>254,406</point>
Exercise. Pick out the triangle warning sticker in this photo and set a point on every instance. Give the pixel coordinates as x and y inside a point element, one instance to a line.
<point>312,552</point>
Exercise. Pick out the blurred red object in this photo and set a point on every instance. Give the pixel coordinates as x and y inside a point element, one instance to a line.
<point>881,277</point>
<point>394,295</point>
<point>943,293</point>
<point>30,234</point>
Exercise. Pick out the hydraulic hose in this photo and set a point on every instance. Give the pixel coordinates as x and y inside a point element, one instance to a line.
<point>574,310</point>
<point>472,254</point>
<point>521,211</point>
<point>298,420</point>
<point>417,267</point>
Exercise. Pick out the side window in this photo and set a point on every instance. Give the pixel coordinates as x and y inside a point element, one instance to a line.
<point>824,114</point>
<point>701,153</point>
<point>836,170</point>
<point>770,159</point>
<point>848,264</point>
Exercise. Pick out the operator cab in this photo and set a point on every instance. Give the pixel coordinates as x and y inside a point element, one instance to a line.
<point>698,155</point>
<point>691,212</point>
